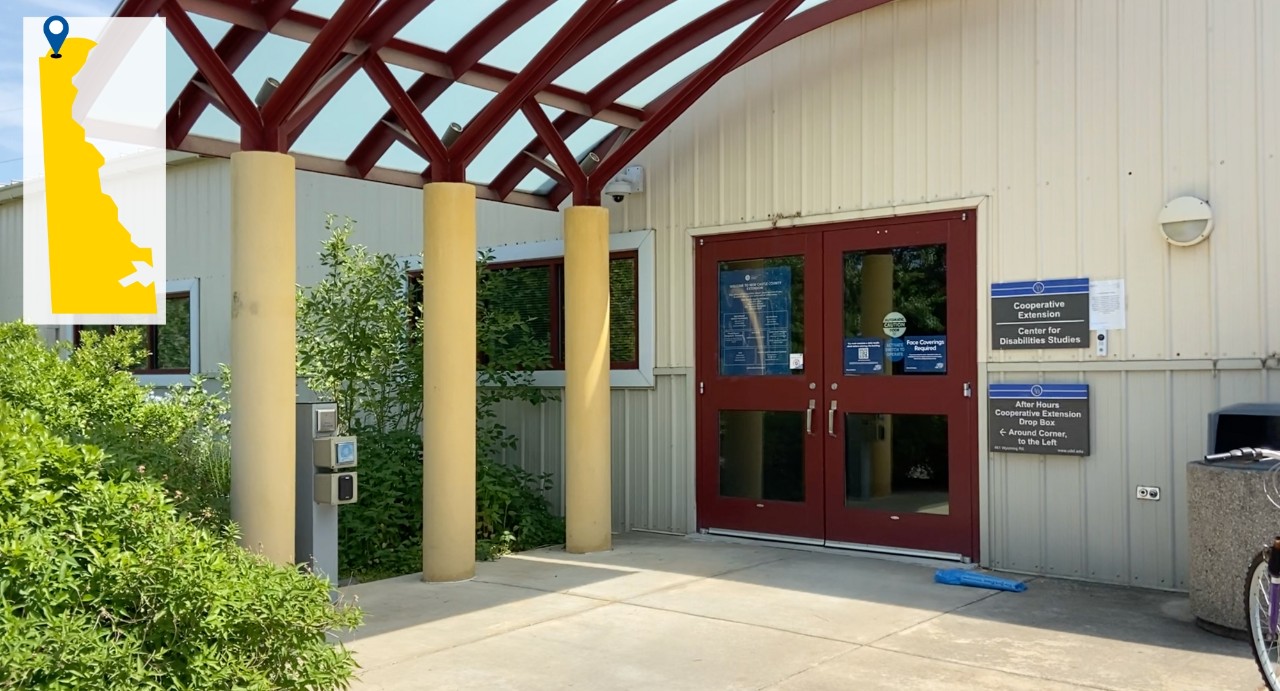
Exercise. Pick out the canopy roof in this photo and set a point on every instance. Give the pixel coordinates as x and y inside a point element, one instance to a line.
<point>531,100</point>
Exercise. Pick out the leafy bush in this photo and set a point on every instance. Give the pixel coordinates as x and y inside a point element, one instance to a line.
<point>88,395</point>
<point>360,344</point>
<point>104,585</point>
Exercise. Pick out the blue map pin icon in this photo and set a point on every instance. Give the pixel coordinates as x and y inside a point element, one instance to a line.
<point>56,38</point>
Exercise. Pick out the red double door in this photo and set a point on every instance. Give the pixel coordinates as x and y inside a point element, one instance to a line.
<point>836,374</point>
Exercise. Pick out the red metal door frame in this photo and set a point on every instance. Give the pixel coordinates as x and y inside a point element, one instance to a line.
<point>945,394</point>
<point>765,393</point>
<point>716,393</point>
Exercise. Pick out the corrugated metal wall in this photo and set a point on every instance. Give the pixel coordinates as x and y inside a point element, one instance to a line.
<point>10,260</point>
<point>1075,120</point>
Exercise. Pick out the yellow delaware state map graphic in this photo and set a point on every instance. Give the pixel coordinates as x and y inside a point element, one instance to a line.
<point>94,265</point>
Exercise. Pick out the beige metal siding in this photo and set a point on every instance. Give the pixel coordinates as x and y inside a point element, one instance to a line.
<point>1076,120</point>
<point>651,429</point>
<point>11,260</point>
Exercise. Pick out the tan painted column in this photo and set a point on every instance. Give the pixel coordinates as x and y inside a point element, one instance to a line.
<point>263,345</point>
<point>877,301</point>
<point>588,489</point>
<point>448,382</point>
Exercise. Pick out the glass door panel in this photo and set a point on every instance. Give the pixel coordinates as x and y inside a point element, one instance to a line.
<point>897,463</point>
<point>895,311</point>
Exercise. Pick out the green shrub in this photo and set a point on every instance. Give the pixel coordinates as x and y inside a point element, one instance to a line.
<point>104,585</point>
<point>87,395</point>
<point>360,344</point>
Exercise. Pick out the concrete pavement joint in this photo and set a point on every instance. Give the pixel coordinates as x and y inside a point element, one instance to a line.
<point>819,663</point>
<point>1024,675</point>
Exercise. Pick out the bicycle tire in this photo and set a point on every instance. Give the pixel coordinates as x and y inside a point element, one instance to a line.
<point>1265,647</point>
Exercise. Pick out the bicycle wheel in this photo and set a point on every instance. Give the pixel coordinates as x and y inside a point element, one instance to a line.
<point>1257,602</point>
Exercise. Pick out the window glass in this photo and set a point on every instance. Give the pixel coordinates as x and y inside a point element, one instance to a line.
<point>623,311</point>
<point>173,349</point>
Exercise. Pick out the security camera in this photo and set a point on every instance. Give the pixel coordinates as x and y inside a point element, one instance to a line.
<point>629,181</point>
<point>618,189</point>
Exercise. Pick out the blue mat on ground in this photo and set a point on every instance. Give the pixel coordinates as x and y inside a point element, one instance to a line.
<point>977,580</point>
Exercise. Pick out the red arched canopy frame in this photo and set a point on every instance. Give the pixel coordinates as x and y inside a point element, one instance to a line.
<point>361,35</point>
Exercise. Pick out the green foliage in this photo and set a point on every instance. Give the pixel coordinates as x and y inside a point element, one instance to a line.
<point>360,343</point>
<point>104,585</point>
<point>355,345</point>
<point>87,395</point>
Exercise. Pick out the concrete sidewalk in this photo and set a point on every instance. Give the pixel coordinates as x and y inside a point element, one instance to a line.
<point>663,612</point>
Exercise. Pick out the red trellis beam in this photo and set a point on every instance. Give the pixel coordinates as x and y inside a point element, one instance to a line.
<point>409,116</point>
<point>233,49</point>
<point>574,176</point>
<point>375,32</point>
<point>685,98</point>
<point>641,67</point>
<point>462,58</point>
<point>531,80</point>
<point>216,74</point>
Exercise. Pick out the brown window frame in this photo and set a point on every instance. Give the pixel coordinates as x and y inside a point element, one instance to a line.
<point>555,297</point>
<point>151,364</point>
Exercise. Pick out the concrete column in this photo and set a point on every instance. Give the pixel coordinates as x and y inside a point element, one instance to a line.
<point>877,301</point>
<point>449,382</point>
<point>263,351</point>
<point>588,490</point>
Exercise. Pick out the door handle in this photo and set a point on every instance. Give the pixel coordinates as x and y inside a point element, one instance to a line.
<point>808,416</point>
<point>831,419</point>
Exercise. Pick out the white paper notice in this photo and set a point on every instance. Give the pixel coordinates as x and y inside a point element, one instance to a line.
<point>1106,305</point>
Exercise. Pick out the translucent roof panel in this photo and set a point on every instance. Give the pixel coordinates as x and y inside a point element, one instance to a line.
<point>273,58</point>
<point>524,43</point>
<point>443,22</point>
<point>178,67</point>
<point>586,74</point>
<point>506,145</point>
<point>674,72</point>
<point>459,103</point>
<point>400,157</point>
<point>338,128</point>
<point>536,182</point>
<point>320,8</point>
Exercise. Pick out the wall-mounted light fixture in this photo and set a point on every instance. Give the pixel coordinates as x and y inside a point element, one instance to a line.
<point>1186,221</point>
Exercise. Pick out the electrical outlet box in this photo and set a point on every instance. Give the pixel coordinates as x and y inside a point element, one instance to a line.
<point>335,488</point>
<point>1148,493</point>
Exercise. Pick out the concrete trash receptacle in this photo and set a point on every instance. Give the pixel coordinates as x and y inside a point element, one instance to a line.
<point>1230,520</point>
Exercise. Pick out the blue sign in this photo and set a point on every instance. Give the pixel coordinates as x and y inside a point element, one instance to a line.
<point>1068,392</point>
<point>1026,289</point>
<point>755,321</point>
<point>925,354</point>
<point>894,349</point>
<point>863,356</point>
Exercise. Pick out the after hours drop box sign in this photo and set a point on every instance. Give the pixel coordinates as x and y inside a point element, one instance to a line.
<point>1039,419</point>
<point>1040,314</point>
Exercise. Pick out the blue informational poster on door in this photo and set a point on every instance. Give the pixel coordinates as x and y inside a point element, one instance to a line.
<point>863,356</point>
<point>755,321</point>
<point>925,354</point>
